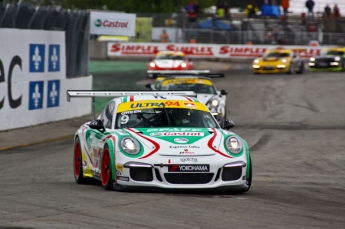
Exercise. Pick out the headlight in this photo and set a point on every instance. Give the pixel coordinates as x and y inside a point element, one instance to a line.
<point>152,64</point>
<point>284,60</point>
<point>312,59</point>
<point>130,145</point>
<point>183,65</point>
<point>337,58</point>
<point>215,102</point>
<point>256,61</point>
<point>233,144</point>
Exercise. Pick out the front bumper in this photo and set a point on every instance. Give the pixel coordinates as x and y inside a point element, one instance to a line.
<point>230,176</point>
<point>280,68</point>
<point>325,66</point>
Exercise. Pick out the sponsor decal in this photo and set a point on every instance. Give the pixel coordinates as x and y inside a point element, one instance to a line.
<point>181,140</point>
<point>122,178</point>
<point>189,168</point>
<point>174,129</point>
<point>188,159</point>
<point>192,105</point>
<point>54,58</point>
<point>53,95</point>
<point>131,112</point>
<point>37,57</point>
<point>36,95</point>
<point>162,104</point>
<point>119,169</point>
<point>165,134</point>
<point>186,152</point>
<point>182,147</point>
<point>84,164</point>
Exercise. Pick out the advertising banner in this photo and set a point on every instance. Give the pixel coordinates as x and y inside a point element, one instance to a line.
<point>205,50</point>
<point>33,80</point>
<point>112,23</point>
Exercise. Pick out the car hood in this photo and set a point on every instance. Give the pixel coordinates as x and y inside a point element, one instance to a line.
<point>179,141</point>
<point>168,63</point>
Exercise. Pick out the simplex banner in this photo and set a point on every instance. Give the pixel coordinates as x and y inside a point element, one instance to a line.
<point>33,81</point>
<point>112,23</point>
<point>206,50</point>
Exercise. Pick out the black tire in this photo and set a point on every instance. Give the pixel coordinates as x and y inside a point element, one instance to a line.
<point>78,163</point>
<point>106,178</point>
<point>291,70</point>
<point>301,68</point>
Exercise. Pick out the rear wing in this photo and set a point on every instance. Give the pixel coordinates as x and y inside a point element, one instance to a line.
<point>156,73</point>
<point>115,94</point>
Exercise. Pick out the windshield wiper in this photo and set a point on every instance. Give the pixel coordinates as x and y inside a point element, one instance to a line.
<point>166,113</point>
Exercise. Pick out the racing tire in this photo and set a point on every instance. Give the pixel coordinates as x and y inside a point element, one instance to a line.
<point>78,163</point>
<point>343,65</point>
<point>249,179</point>
<point>106,178</point>
<point>291,70</point>
<point>301,69</point>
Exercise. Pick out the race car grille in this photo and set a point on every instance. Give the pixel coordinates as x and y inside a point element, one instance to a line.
<point>141,174</point>
<point>231,173</point>
<point>188,178</point>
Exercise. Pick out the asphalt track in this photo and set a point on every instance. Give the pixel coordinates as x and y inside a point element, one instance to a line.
<point>295,127</point>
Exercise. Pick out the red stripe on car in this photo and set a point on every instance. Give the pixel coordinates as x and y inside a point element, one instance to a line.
<point>157,146</point>
<point>210,144</point>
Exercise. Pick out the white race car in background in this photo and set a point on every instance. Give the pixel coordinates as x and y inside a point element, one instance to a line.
<point>156,139</point>
<point>206,91</point>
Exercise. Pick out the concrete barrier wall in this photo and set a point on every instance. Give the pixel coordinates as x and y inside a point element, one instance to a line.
<point>33,81</point>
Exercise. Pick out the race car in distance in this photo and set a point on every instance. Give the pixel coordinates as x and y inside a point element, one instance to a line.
<point>333,59</point>
<point>204,87</point>
<point>278,61</point>
<point>156,139</point>
<point>169,60</point>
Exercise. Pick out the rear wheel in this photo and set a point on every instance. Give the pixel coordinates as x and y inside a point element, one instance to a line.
<point>291,69</point>
<point>301,68</point>
<point>78,163</point>
<point>106,178</point>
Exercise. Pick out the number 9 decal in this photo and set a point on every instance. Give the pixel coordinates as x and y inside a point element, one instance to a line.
<point>124,119</point>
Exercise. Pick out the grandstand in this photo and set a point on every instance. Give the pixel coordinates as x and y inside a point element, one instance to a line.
<point>298,6</point>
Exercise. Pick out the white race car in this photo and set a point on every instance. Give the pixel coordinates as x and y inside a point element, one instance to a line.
<point>156,139</point>
<point>203,85</point>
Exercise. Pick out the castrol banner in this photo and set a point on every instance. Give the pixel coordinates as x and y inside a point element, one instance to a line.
<point>112,23</point>
<point>206,50</point>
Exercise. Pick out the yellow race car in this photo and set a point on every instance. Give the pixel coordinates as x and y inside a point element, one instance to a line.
<point>278,61</point>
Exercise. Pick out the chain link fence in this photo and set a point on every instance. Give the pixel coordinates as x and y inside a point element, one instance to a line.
<point>75,23</point>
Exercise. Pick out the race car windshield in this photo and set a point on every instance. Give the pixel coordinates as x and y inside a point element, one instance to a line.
<point>334,53</point>
<point>168,117</point>
<point>276,55</point>
<point>169,57</point>
<point>197,88</point>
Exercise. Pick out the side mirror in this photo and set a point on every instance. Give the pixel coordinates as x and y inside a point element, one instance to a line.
<point>97,125</point>
<point>228,124</point>
<point>223,92</point>
<point>148,86</point>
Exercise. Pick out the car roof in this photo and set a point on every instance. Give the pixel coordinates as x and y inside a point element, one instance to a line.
<point>162,53</point>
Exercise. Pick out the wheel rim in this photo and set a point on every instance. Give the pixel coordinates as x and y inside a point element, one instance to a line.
<point>77,159</point>
<point>105,170</point>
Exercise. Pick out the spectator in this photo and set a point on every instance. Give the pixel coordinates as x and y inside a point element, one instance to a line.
<point>251,10</point>
<point>220,10</point>
<point>265,9</point>
<point>336,11</point>
<point>328,11</point>
<point>227,13</point>
<point>285,5</point>
<point>190,6</point>
<point>197,8</point>
<point>192,16</point>
<point>310,6</point>
<point>164,36</point>
<point>278,36</point>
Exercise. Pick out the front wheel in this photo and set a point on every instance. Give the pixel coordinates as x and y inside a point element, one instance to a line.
<point>291,69</point>
<point>106,177</point>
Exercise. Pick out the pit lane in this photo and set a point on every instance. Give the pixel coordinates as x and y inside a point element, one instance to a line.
<point>294,125</point>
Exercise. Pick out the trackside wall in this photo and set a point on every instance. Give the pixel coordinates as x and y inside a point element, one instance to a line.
<point>33,80</point>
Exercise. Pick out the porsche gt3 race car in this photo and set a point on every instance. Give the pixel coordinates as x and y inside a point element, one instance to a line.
<point>169,60</point>
<point>333,59</point>
<point>278,61</point>
<point>159,139</point>
<point>204,87</point>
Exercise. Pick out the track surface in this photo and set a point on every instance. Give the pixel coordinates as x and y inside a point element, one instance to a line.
<point>295,126</point>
